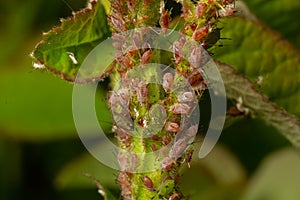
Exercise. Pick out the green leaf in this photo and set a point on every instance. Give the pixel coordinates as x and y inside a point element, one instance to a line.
<point>279,15</point>
<point>35,106</point>
<point>72,175</point>
<point>239,87</point>
<point>64,48</point>
<point>277,178</point>
<point>208,179</point>
<point>260,53</point>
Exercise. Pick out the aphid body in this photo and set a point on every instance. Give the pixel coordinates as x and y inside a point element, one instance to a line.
<point>180,108</point>
<point>178,149</point>
<point>148,183</point>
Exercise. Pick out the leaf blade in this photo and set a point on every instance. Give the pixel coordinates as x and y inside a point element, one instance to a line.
<point>239,86</point>
<point>258,52</point>
<point>64,48</point>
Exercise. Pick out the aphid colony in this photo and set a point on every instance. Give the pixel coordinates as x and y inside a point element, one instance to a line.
<point>138,108</point>
<point>156,117</point>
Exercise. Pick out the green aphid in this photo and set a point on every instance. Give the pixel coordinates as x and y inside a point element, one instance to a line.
<point>166,187</point>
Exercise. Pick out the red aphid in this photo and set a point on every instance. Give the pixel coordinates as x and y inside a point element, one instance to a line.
<point>131,51</point>
<point>199,33</point>
<point>124,137</point>
<point>125,61</point>
<point>185,10</point>
<point>195,56</point>
<point>193,26</point>
<point>125,185</point>
<point>167,163</point>
<point>172,127</point>
<point>180,108</point>
<point>117,22</point>
<point>131,5</point>
<point>133,161</point>
<point>136,39</point>
<point>148,183</point>
<point>166,140</point>
<point>168,80</point>
<point>142,92</point>
<point>197,81</point>
<point>124,179</point>
<point>178,149</point>
<point>146,57</point>
<point>177,51</point>
<point>186,97</point>
<point>191,132</point>
<point>164,20</point>
<point>117,45</point>
<point>122,159</point>
<point>200,9</point>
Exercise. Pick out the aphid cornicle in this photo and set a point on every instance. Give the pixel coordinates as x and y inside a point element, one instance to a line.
<point>148,183</point>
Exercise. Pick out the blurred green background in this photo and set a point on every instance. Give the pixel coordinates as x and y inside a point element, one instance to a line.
<point>41,156</point>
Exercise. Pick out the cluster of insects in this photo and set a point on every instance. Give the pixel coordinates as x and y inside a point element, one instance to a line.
<point>155,117</point>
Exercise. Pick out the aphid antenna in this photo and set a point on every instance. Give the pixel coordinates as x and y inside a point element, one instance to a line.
<point>166,67</point>
<point>68,5</point>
